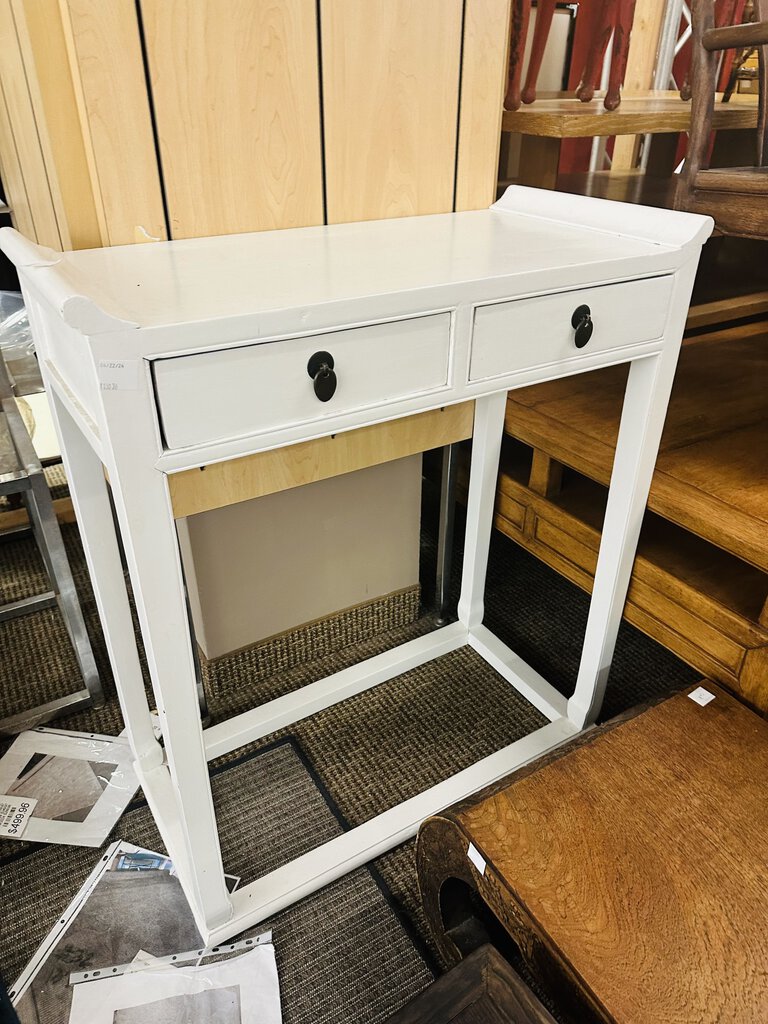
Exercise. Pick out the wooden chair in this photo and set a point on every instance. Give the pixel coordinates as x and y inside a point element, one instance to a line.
<point>609,17</point>
<point>737,197</point>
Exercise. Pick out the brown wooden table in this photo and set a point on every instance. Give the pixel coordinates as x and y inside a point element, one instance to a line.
<point>544,124</point>
<point>629,867</point>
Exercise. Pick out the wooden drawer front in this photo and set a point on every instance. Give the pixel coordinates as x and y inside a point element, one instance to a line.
<point>512,336</point>
<point>248,390</point>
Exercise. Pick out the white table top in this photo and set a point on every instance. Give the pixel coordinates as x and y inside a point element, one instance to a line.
<point>194,280</point>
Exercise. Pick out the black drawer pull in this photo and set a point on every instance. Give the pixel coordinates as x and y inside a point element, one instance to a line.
<point>582,322</point>
<point>320,369</point>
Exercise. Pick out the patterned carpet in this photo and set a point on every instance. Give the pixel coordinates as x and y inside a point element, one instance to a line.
<point>390,742</point>
<point>330,948</point>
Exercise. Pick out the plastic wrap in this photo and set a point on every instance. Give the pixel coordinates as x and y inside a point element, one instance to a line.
<point>16,345</point>
<point>129,916</point>
<point>75,786</point>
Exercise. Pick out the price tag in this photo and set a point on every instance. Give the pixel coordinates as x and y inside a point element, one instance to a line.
<point>701,696</point>
<point>15,812</point>
<point>477,858</point>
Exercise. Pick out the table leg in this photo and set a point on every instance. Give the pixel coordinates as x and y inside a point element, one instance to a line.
<point>642,421</point>
<point>85,475</point>
<point>484,470</point>
<point>179,792</point>
<point>539,160</point>
<point>445,530</point>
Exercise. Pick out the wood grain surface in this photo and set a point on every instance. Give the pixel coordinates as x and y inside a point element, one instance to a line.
<point>105,52</point>
<point>226,483</point>
<point>649,114</point>
<point>641,62</point>
<point>483,67</point>
<point>235,89</point>
<point>49,75</point>
<point>722,499</point>
<point>22,151</point>
<point>698,601</point>
<point>391,73</point>
<point>482,989</point>
<point>634,863</point>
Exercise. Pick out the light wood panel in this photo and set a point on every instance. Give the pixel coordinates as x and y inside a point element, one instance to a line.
<point>14,189</point>
<point>105,49</point>
<point>646,29</point>
<point>226,483</point>
<point>236,92</point>
<point>710,473</point>
<point>655,113</point>
<point>44,48</point>
<point>18,518</point>
<point>483,76</point>
<point>738,307</point>
<point>390,98</point>
<point>30,193</point>
<point>697,601</point>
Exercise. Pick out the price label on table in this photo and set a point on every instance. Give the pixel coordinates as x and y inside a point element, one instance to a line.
<point>15,812</point>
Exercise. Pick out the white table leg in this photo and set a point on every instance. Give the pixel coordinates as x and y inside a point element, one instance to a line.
<point>148,530</point>
<point>88,488</point>
<point>484,470</point>
<point>642,422</point>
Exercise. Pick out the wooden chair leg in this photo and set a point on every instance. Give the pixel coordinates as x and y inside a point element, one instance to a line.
<point>521,14</point>
<point>761,14</point>
<point>622,33</point>
<point>594,65</point>
<point>544,12</point>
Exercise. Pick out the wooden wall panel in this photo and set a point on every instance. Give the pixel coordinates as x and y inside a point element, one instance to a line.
<point>105,48</point>
<point>25,172</point>
<point>236,92</point>
<point>46,58</point>
<point>646,29</point>
<point>484,63</point>
<point>390,97</point>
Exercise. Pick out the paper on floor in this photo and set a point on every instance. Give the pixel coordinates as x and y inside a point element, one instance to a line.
<point>243,990</point>
<point>131,904</point>
<point>81,782</point>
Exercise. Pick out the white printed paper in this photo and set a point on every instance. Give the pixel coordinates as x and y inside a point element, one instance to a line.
<point>243,990</point>
<point>118,374</point>
<point>477,858</point>
<point>15,812</point>
<point>701,696</point>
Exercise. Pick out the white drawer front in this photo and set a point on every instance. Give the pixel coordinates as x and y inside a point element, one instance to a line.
<point>512,336</point>
<point>254,388</point>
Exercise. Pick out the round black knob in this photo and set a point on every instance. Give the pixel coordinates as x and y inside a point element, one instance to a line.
<point>320,369</point>
<point>582,322</point>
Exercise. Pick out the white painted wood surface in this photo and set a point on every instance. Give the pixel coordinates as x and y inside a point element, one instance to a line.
<point>254,388</point>
<point>510,335</point>
<point>110,323</point>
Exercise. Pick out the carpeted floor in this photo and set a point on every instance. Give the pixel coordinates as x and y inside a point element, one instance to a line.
<point>392,741</point>
<point>330,948</point>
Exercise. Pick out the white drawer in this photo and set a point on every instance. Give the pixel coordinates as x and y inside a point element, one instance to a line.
<point>511,336</point>
<point>233,392</point>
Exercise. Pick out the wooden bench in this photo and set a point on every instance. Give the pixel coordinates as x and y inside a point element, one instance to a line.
<point>483,989</point>
<point>628,867</point>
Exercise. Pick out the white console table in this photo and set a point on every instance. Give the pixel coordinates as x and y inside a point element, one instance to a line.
<point>182,369</point>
